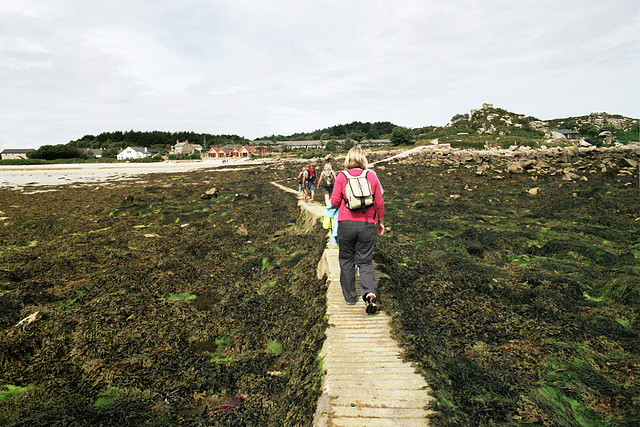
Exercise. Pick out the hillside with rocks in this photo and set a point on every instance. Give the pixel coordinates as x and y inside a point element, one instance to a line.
<point>491,127</point>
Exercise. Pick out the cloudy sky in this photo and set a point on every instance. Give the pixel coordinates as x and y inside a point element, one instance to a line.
<point>254,67</point>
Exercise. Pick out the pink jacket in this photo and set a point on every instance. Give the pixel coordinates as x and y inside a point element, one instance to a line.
<point>338,197</point>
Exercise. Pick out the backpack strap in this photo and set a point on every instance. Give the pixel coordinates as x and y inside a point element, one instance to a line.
<point>346,175</point>
<point>366,172</point>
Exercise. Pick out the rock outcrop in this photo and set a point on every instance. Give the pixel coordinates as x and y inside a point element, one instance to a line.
<point>571,163</point>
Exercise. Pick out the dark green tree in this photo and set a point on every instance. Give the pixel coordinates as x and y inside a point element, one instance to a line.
<point>401,136</point>
<point>571,124</point>
<point>59,151</point>
<point>331,145</point>
<point>459,117</point>
<point>356,136</point>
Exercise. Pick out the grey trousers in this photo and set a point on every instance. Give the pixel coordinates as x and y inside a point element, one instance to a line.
<point>355,248</point>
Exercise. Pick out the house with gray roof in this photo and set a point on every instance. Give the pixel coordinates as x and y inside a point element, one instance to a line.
<point>131,153</point>
<point>185,148</point>
<point>565,134</point>
<point>302,144</point>
<point>14,153</point>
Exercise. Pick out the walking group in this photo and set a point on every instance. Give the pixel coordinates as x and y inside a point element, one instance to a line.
<point>355,198</point>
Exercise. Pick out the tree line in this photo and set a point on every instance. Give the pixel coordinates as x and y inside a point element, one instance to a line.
<point>356,131</point>
<point>120,140</point>
<point>113,142</point>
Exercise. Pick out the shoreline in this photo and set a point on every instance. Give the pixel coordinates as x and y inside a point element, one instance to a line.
<point>18,177</point>
<point>47,177</point>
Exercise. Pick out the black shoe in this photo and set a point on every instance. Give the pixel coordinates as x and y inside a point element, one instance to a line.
<point>370,299</point>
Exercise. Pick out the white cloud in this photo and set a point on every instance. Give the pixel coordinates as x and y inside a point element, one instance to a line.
<point>71,67</point>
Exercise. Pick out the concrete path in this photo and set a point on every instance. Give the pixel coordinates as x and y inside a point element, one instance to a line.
<point>407,153</point>
<point>366,382</point>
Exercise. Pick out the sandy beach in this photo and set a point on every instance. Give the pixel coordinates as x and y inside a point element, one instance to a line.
<point>19,177</point>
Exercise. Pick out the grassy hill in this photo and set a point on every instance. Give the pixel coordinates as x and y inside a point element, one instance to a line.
<point>491,127</point>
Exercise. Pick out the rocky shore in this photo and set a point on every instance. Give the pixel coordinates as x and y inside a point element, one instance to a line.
<point>573,163</point>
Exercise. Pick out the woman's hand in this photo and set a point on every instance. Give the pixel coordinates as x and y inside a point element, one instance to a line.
<point>380,228</point>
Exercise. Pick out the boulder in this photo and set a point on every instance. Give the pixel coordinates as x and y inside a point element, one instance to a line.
<point>482,169</point>
<point>212,192</point>
<point>542,165</point>
<point>465,156</point>
<point>515,167</point>
<point>241,231</point>
<point>568,175</point>
<point>584,143</point>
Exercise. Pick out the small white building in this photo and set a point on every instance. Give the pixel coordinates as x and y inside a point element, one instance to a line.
<point>130,153</point>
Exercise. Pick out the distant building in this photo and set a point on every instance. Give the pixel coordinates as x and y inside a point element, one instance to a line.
<point>131,153</point>
<point>94,152</point>
<point>217,153</point>
<point>565,134</point>
<point>14,153</point>
<point>185,148</point>
<point>301,144</point>
<point>374,142</point>
<point>266,142</point>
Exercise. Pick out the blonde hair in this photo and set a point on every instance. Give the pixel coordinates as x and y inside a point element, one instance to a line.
<point>356,159</point>
<point>327,167</point>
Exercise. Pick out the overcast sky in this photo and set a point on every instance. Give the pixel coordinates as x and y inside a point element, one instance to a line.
<point>254,67</point>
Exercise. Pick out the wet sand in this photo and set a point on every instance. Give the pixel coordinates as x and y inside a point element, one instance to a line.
<point>19,177</point>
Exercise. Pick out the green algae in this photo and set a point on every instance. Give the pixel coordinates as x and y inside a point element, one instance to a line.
<point>524,311</point>
<point>107,398</point>
<point>184,296</point>
<point>11,390</point>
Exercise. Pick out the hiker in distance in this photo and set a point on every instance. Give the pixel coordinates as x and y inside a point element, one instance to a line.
<point>300,180</point>
<point>358,194</point>
<point>310,183</point>
<point>326,182</point>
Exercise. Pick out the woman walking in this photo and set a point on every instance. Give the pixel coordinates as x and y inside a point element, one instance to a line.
<point>310,183</point>
<point>357,230</point>
<point>300,179</point>
<point>327,181</point>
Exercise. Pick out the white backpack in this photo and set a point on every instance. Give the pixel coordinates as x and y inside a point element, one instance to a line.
<point>358,192</point>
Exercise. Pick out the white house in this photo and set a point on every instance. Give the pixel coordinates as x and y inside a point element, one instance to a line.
<point>134,153</point>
